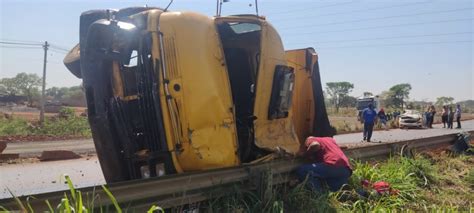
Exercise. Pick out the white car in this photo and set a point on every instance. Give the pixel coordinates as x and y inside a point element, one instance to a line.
<point>410,118</point>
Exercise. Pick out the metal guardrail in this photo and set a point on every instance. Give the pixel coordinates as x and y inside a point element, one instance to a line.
<point>177,190</point>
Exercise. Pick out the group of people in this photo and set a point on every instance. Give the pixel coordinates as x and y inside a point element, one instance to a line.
<point>448,115</point>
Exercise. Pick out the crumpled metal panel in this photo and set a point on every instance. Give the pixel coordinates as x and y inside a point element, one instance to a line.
<point>270,134</point>
<point>200,91</point>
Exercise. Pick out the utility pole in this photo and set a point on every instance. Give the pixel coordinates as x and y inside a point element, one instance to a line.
<point>43,98</point>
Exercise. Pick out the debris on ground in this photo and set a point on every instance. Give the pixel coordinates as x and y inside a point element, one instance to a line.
<point>8,157</point>
<point>58,155</point>
<point>3,146</point>
<point>461,145</point>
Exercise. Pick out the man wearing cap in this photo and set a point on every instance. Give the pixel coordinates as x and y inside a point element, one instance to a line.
<point>328,164</point>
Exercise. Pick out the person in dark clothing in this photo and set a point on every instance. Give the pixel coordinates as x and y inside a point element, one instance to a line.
<point>383,118</point>
<point>432,112</point>
<point>450,117</point>
<point>396,114</point>
<point>457,114</point>
<point>444,116</point>
<point>328,164</point>
<point>368,115</point>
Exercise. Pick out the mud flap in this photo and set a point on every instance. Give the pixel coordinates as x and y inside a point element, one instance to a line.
<point>321,127</point>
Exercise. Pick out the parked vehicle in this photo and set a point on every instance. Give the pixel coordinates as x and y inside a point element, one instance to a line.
<point>410,118</point>
<point>363,102</point>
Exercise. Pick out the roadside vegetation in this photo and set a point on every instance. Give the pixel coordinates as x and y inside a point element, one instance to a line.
<point>65,123</point>
<point>424,183</point>
<point>430,182</point>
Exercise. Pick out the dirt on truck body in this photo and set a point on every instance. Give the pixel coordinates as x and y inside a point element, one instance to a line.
<point>171,92</point>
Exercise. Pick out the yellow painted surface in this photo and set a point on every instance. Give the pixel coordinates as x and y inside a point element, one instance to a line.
<point>206,127</point>
<point>117,82</point>
<point>303,102</point>
<point>270,134</point>
<point>153,21</point>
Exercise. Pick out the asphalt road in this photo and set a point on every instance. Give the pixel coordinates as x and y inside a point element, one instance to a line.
<point>30,149</point>
<point>395,135</point>
<point>31,178</point>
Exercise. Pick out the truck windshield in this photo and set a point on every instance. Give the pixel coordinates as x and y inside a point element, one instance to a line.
<point>362,104</point>
<point>243,27</point>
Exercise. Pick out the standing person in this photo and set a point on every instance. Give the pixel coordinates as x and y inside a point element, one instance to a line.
<point>396,113</point>
<point>458,116</point>
<point>383,118</point>
<point>328,164</point>
<point>427,117</point>
<point>432,115</point>
<point>444,116</point>
<point>368,115</point>
<point>450,117</point>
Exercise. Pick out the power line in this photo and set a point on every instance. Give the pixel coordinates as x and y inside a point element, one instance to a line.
<point>57,51</point>
<point>23,41</point>
<point>313,8</point>
<point>17,43</point>
<point>385,17</point>
<point>362,10</point>
<point>19,47</point>
<point>397,44</point>
<point>384,38</point>
<point>385,26</point>
<point>59,47</point>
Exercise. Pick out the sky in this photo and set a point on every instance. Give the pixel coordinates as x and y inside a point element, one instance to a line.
<point>372,44</point>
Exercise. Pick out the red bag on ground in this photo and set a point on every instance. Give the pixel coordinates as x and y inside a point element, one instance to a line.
<point>382,187</point>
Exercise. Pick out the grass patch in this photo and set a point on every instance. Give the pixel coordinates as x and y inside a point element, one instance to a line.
<point>420,184</point>
<point>67,123</point>
<point>428,183</point>
<point>76,201</point>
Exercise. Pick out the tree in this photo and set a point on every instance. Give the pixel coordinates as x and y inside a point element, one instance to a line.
<point>400,92</point>
<point>59,93</point>
<point>348,101</point>
<point>386,97</point>
<point>22,84</point>
<point>338,90</point>
<point>73,96</point>
<point>28,84</point>
<point>441,101</point>
<point>8,87</point>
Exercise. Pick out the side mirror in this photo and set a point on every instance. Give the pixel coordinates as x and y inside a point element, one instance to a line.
<point>111,39</point>
<point>72,61</point>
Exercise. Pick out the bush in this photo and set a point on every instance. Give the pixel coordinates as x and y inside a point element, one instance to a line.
<point>13,126</point>
<point>65,124</point>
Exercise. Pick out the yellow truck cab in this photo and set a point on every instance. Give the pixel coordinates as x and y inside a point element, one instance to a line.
<point>171,92</point>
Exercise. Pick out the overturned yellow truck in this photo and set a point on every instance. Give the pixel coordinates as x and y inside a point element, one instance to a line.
<point>172,92</point>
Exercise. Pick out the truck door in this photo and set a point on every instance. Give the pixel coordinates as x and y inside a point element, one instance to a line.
<point>275,82</point>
